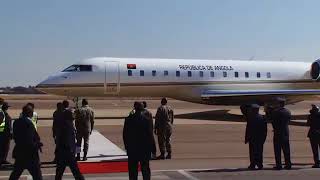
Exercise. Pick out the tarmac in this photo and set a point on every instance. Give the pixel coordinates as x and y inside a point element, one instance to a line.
<point>208,141</point>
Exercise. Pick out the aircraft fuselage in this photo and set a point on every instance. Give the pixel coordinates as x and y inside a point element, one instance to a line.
<point>225,82</point>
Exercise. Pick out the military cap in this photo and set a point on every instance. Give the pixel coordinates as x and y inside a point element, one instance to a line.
<point>164,100</point>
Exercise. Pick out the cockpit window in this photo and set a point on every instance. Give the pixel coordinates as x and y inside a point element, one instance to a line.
<point>79,68</point>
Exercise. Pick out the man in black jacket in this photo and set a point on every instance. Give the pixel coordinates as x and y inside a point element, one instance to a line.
<point>256,133</point>
<point>148,114</point>
<point>139,142</point>
<point>26,150</point>
<point>66,144</point>
<point>314,133</point>
<point>280,122</point>
<point>57,118</point>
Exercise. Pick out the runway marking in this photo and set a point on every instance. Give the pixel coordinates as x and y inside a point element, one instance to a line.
<point>187,175</point>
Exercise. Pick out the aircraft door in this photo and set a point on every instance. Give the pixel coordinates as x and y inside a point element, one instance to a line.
<point>112,77</point>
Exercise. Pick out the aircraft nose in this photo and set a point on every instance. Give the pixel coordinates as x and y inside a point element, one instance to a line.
<point>51,81</point>
<point>47,83</point>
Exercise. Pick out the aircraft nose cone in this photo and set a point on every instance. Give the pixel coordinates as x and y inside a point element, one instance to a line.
<point>43,86</point>
<point>40,85</point>
<point>51,81</point>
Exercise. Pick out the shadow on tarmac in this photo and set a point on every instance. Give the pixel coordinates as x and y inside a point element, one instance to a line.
<point>223,115</point>
<point>296,164</point>
<point>238,170</point>
<point>44,165</point>
<point>214,115</point>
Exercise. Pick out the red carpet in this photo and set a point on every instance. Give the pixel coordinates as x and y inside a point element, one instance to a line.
<point>103,167</point>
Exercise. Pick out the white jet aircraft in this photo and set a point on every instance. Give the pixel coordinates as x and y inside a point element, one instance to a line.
<point>219,82</point>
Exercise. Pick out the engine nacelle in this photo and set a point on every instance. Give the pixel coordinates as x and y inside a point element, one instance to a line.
<point>315,70</point>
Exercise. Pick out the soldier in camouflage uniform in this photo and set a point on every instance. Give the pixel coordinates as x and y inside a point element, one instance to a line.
<point>84,124</point>
<point>163,128</point>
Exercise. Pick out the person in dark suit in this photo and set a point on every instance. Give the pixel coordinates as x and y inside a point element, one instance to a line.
<point>148,114</point>
<point>245,108</point>
<point>245,112</point>
<point>280,122</point>
<point>26,150</point>
<point>139,142</point>
<point>66,144</point>
<point>5,134</point>
<point>256,134</point>
<point>57,117</point>
<point>314,133</point>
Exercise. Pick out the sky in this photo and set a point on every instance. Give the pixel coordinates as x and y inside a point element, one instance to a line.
<point>39,38</point>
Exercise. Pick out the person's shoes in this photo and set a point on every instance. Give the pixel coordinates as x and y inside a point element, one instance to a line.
<point>252,167</point>
<point>78,157</point>
<point>84,158</point>
<point>168,156</point>
<point>277,167</point>
<point>161,157</point>
<point>153,157</point>
<point>6,162</point>
<point>288,167</point>
<point>260,167</point>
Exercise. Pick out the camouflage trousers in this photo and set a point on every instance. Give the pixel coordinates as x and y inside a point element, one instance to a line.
<point>164,140</point>
<point>85,136</point>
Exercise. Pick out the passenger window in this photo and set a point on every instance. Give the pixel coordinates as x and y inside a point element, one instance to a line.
<point>178,73</point>
<point>129,72</point>
<point>189,73</point>
<point>258,75</point>
<point>141,73</point>
<point>236,74</point>
<point>268,75</point>
<point>166,73</point>
<point>246,74</point>
<point>212,74</point>
<point>225,74</point>
<point>154,73</point>
<point>201,73</point>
